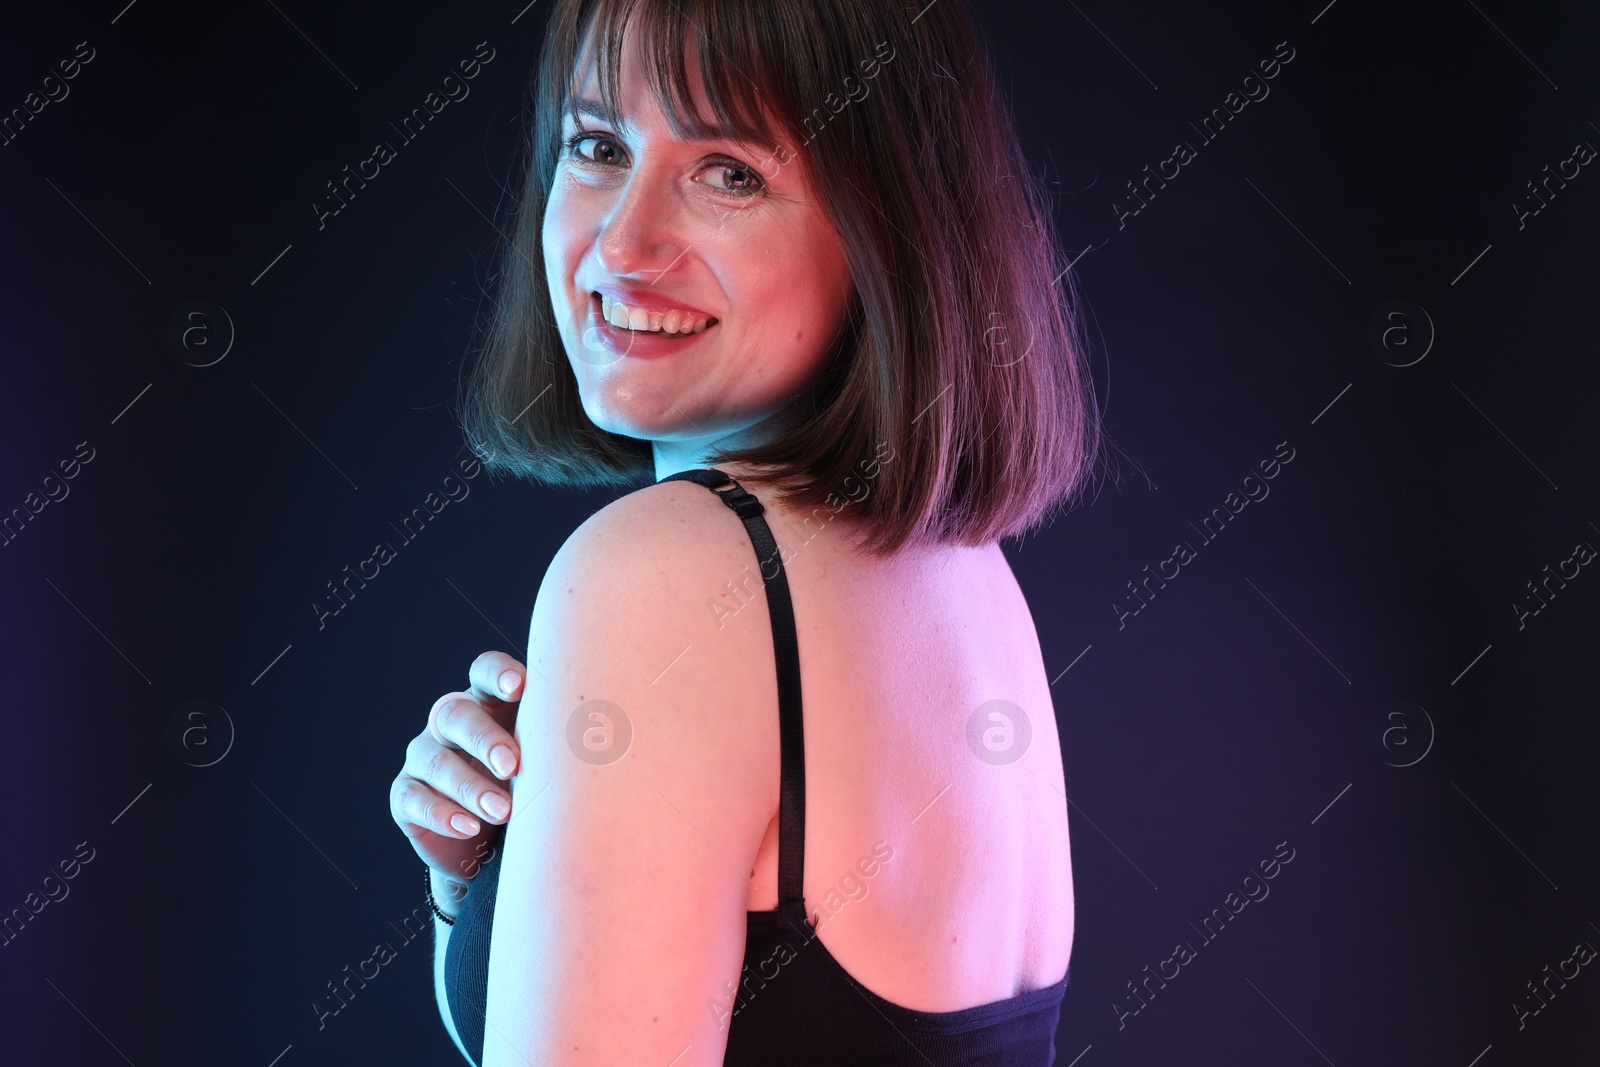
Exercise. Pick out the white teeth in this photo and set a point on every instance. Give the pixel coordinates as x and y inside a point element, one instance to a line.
<point>672,322</point>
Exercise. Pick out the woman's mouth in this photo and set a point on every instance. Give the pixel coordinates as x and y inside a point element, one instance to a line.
<point>644,333</point>
<point>672,322</point>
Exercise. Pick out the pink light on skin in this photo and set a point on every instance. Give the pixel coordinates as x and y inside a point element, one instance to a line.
<point>699,224</point>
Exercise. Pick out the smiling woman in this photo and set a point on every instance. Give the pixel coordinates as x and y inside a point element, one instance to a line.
<point>857,282</point>
<point>704,284</point>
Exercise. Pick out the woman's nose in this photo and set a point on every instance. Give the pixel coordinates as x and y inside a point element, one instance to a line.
<point>642,232</point>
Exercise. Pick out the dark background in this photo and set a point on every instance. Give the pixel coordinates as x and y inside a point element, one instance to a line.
<point>1359,618</point>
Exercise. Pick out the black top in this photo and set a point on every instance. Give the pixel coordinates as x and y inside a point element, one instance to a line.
<point>796,1006</point>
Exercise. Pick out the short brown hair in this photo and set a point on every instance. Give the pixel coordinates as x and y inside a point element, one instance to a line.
<point>960,355</point>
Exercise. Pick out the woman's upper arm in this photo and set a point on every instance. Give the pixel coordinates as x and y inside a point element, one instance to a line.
<point>639,806</point>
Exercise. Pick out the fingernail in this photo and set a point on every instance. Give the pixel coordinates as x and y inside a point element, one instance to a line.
<point>500,759</point>
<point>463,823</point>
<point>495,805</point>
<point>508,682</point>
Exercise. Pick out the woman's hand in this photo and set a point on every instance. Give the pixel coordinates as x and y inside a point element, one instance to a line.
<point>452,783</point>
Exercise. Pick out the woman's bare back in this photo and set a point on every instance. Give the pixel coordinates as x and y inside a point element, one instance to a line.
<point>970,900</point>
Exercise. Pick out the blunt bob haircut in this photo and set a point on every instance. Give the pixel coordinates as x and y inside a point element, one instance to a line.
<point>957,407</point>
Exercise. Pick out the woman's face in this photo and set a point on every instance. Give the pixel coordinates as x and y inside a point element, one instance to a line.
<point>723,229</point>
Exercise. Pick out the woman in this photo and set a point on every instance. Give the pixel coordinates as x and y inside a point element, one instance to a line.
<point>792,251</point>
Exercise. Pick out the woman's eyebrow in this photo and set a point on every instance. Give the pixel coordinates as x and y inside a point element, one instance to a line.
<point>594,109</point>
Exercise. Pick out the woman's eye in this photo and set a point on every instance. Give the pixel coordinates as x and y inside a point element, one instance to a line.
<point>603,155</point>
<point>741,180</point>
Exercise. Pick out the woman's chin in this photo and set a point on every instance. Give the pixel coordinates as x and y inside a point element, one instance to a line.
<point>645,427</point>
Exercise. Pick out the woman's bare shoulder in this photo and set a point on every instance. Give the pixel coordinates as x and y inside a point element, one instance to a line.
<point>662,557</point>
<point>678,521</point>
<point>640,581</point>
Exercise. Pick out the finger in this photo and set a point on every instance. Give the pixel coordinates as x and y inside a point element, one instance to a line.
<point>451,773</point>
<point>495,674</point>
<point>447,771</point>
<point>459,720</point>
<point>414,803</point>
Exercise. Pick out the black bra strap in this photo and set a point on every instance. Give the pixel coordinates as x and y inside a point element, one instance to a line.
<point>792,788</point>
